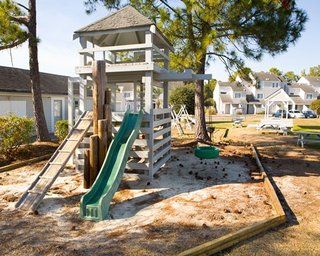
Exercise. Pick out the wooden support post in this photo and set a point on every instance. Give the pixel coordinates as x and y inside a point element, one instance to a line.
<point>148,95</point>
<point>102,133</point>
<point>70,103</point>
<point>94,157</point>
<point>99,83</point>
<point>165,95</point>
<point>135,105</point>
<point>86,171</point>
<point>83,57</point>
<point>108,116</point>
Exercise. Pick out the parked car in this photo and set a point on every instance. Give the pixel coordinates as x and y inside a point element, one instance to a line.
<point>309,114</point>
<point>296,114</point>
<point>280,113</point>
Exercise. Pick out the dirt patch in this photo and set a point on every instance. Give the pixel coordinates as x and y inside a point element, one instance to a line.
<point>33,150</point>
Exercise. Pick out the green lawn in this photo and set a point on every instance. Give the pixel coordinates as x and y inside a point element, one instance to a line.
<point>306,125</point>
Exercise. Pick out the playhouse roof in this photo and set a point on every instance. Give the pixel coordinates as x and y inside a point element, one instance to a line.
<point>127,17</point>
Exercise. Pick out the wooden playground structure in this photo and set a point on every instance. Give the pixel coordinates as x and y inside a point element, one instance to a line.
<point>130,51</point>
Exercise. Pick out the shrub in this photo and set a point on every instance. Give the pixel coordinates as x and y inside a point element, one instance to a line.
<point>61,129</point>
<point>315,105</point>
<point>210,111</point>
<point>183,95</point>
<point>14,131</point>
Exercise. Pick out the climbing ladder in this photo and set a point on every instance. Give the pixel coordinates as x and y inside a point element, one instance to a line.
<point>50,172</point>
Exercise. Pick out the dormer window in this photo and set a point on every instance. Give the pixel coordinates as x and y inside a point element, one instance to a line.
<point>237,95</point>
<point>309,96</point>
<point>260,96</point>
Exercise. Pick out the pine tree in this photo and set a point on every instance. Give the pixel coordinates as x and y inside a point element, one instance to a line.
<point>17,25</point>
<point>228,31</point>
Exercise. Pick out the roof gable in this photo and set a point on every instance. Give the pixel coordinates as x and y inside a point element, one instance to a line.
<point>127,17</point>
<point>266,76</point>
<point>279,95</point>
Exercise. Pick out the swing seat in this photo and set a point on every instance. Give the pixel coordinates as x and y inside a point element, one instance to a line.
<point>206,152</point>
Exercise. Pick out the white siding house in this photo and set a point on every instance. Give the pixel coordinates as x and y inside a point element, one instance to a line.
<point>230,98</point>
<point>262,86</point>
<point>312,81</point>
<point>15,94</point>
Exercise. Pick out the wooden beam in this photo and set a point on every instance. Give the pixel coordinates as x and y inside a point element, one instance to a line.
<point>86,170</point>
<point>108,117</point>
<point>94,158</point>
<point>113,31</point>
<point>165,56</point>
<point>233,238</point>
<point>99,83</point>
<point>117,48</point>
<point>102,133</point>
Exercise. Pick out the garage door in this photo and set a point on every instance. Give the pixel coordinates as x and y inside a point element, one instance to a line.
<point>13,107</point>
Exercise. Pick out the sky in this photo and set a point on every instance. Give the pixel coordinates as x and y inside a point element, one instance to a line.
<point>57,20</point>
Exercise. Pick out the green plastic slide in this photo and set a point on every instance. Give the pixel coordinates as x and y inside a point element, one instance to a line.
<point>95,203</point>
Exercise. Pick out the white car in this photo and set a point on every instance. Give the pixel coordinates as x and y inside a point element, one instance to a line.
<point>296,114</point>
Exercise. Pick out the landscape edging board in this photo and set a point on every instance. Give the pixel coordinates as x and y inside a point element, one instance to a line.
<point>233,238</point>
<point>24,163</point>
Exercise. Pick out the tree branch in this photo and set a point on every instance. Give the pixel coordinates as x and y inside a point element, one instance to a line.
<point>21,19</point>
<point>23,6</point>
<point>13,44</point>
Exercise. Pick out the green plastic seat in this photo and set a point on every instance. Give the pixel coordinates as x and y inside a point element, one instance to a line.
<point>206,152</point>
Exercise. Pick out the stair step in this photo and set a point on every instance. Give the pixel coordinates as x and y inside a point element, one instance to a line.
<point>31,191</point>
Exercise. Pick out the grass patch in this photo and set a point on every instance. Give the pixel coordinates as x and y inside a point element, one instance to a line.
<point>306,125</point>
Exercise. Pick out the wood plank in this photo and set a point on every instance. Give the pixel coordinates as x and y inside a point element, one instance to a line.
<point>162,122</point>
<point>94,158</point>
<point>161,132</point>
<point>233,238</point>
<point>117,48</point>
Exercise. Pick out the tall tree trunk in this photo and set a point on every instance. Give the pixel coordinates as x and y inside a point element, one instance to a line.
<point>41,125</point>
<point>200,129</point>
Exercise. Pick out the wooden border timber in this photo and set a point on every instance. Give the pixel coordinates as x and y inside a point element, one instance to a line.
<point>24,163</point>
<point>233,238</point>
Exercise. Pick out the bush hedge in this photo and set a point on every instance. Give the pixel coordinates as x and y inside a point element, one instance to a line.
<point>315,105</point>
<point>61,129</point>
<point>14,131</point>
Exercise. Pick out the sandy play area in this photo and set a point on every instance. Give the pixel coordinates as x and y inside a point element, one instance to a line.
<point>190,201</point>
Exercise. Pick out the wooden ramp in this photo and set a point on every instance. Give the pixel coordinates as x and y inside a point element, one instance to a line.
<point>50,172</point>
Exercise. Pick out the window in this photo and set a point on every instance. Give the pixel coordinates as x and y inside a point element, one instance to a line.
<point>223,92</point>
<point>309,96</point>
<point>126,94</point>
<point>273,84</point>
<point>237,95</point>
<point>260,95</point>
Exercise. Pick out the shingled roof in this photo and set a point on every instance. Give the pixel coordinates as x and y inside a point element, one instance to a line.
<point>266,76</point>
<point>18,80</point>
<point>236,87</point>
<point>127,17</point>
<point>313,79</point>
